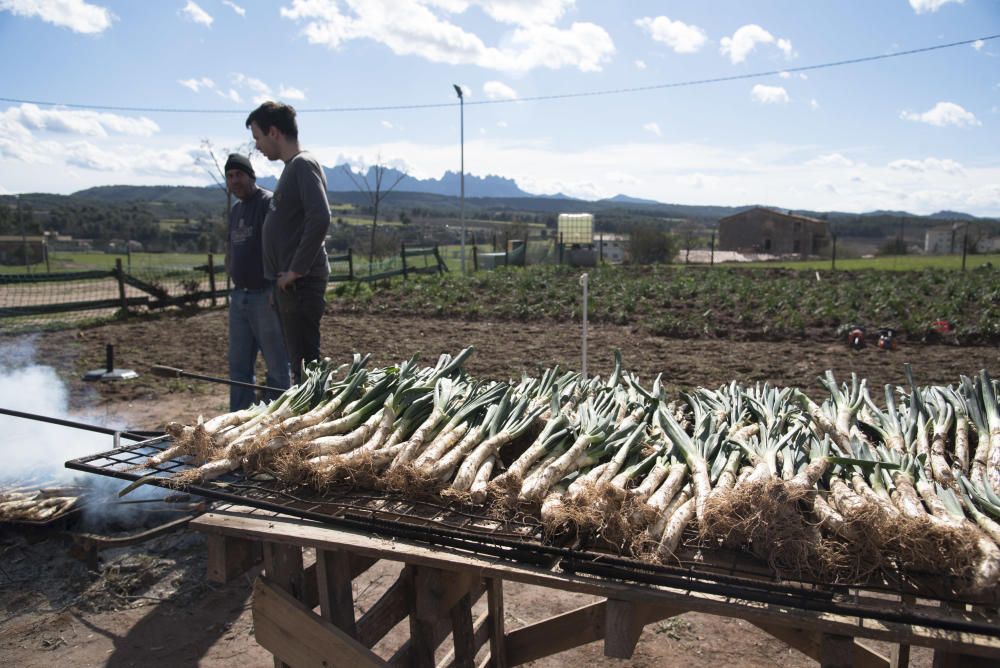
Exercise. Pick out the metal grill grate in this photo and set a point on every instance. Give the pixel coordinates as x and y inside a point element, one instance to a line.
<point>523,539</point>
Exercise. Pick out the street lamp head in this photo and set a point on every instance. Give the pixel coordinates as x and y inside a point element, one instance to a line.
<point>458,90</point>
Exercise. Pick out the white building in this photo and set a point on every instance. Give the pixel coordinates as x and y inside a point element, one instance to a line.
<point>942,239</point>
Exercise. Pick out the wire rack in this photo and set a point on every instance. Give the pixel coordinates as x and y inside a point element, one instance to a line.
<point>521,538</point>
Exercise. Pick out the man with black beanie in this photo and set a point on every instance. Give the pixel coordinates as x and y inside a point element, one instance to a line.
<point>253,317</point>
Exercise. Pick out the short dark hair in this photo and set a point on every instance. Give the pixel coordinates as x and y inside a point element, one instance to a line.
<point>275,114</point>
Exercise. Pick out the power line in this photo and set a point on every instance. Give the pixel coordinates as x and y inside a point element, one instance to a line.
<point>534,98</point>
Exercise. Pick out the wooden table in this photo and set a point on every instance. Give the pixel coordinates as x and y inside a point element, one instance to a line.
<point>437,588</point>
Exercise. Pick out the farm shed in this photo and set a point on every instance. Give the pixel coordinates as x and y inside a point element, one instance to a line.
<point>761,230</point>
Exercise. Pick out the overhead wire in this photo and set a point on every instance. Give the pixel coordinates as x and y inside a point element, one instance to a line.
<point>533,98</point>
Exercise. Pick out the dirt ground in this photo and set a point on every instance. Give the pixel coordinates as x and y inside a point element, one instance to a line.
<point>151,606</point>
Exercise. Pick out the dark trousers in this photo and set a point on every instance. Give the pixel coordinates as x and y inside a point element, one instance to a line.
<point>301,306</point>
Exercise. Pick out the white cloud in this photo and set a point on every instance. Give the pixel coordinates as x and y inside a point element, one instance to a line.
<point>653,128</point>
<point>830,160</point>
<point>193,12</point>
<point>924,6</point>
<point>80,122</point>
<point>196,84</point>
<point>236,8</point>
<point>291,93</point>
<point>679,36</point>
<point>521,12</point>
<point>978,44</point>
<point>946,165</point>
<point>785,75</point>
<point>746,39</point>
<point>77,15</point>
<point>421,28</point>
<point>640,64</point>
<point>501,124</point>
<point>496,90</point>
<point>769,94</point>
<point>261,91</point>
<point>231,95</point>
<point>942,114</point>
<point>387,125</point>
<point>813,104</point>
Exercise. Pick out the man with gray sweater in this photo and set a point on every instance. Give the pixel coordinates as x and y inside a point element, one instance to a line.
<point>294,232</point>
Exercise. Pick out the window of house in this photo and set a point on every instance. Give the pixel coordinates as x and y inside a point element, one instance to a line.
<point>767,244</point>
<point>796,246</point>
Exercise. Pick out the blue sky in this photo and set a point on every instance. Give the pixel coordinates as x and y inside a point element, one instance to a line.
<point>917,132</point>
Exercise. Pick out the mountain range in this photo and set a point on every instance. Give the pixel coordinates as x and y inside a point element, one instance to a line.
<point>338,180</point>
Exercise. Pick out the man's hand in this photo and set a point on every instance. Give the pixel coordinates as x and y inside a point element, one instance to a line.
<point>287,278</point>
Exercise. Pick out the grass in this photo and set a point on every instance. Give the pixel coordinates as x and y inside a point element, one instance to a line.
<point>88,261</point>
<point>885,263</point>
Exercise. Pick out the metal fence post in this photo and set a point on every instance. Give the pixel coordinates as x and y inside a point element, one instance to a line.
<point>711,252</point>
<point>402,255</point>
<point>211,277</point>
<point>350,264</point>
<point>475,258</point>
<point>120,275</point>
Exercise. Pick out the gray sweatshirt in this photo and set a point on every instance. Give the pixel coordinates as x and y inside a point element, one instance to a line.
<point>297,221</point>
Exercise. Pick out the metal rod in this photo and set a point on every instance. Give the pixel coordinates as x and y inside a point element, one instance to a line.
<point>172,372</point>
<point>72,423</point>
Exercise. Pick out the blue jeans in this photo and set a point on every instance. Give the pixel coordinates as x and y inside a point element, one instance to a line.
<point>253,326</point>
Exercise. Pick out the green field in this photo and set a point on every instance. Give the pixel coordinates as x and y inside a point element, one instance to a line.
<point>87,261</point>
<point>699,301</point>
<point>886,263</point>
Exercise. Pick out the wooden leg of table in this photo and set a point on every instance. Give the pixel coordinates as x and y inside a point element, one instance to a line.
<point>229,557</point>
<point>836,651</point>
<point>333,584</point>
<point>899,655</point>
<point>495,609</point>
<point>622,628</point>
<point>283,565</point>
<point>421,643</point>
<point>463,634</point>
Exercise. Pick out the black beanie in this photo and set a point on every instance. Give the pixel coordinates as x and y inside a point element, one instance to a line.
<point>240,162</point>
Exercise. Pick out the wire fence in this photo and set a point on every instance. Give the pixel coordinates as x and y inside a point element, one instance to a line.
<point>72,289</point>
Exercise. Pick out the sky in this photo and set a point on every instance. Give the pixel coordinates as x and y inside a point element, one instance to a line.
<point>107,92</point>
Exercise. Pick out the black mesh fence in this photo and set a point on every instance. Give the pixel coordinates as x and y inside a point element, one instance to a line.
<point>70,293</point>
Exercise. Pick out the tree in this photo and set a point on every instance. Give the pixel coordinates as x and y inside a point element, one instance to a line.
<point>649,244</point>
<point>375,194</point>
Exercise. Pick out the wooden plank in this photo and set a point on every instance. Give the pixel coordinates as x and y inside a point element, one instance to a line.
<point>299,637</point>
<point>462,633</point>
<point>229,557</point>
<point>283,565</point>
<point>836,651</point>
<point>555,634</point>
<point>810,644</point>
<point>333,585</point>
<point>480,636</point>
<point>495,609</point>
<point>386,613</point>
<point>312,534</point>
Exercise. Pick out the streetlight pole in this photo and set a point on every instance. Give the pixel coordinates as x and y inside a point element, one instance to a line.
<point>461,106</point>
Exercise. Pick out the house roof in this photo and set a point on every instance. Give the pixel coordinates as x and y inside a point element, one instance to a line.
<point>779,214</point>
